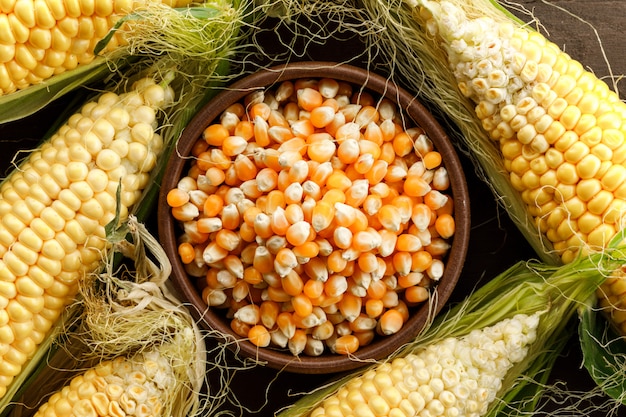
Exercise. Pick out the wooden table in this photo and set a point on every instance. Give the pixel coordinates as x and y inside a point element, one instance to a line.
<point>495,242</point>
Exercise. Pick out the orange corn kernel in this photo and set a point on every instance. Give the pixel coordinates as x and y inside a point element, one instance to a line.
<point>268,313</point>
<point>261,110</point>
<point>228,239</point>
<point>186,252</point>
<point>432,159</point>
<point>436,269</point>
<point>435,199</point>
<point>335,262</point>
<point>234,265</point>
<point>373,133</point>
<point>298,172</point>
<point>263,260</point>
<point>342,237</point>
<point>308,98</point>
<point>294,213</point>
<point>374,307</point>
<point>275,198</point>
<point>313,288</point>
<point>350,306</point>
<point>321,150</point>
<point>230,217</point>
<point>346,344</point>
<point>277,294</point>
<point>245,128</point>
<point>408,243</point>
<point>421,260</point>
<point>297,342</point>
<point>368,262</point>
<point>177,197</point>
<point>421,216</point>
<point>410,279</point>
<point>322,116</point>
<point>389,217</point>
<point>259,336</point>
<point>390,322</point>
<point>402,144</point>
<point>302,305</point>
<point>260,132</point>
<point>306,250</point>
<point>234,145</point>
<point>277,118</point>
<point>322,216</point>
<point>445,226</point>
<point>415,186</point>
<point>240,328</point>
<point>292,283</point>
<point>363,323</point>
<point>298,233</point>
<point>321,173</point>
<point>366,240</point>
<point>336,285</point>
<point>377,172</point>
<point>441,179</point>
<point>213,205</point>
<point>328,87</point>
<point>402,262</point>
<point>245,168</point>
<point>215,134</point>
<point>416,294</point>
<point>286,324</point>
<point>316,269</point>
<point>323,331</point>
<point>279,222</point>
<point>252,275</point>
<point>348,151</point>
<point>338,180</point>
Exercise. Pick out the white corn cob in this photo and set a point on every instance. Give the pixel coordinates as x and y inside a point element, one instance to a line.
<point>452,377</point>
<point>120,387</point>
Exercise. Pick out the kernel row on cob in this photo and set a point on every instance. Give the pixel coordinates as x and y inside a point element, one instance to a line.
<point>314,217</point>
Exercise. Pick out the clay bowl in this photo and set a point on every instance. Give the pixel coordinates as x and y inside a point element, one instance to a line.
<point>415,114</point>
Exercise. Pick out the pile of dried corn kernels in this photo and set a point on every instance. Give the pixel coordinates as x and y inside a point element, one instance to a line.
<point>314,217</point>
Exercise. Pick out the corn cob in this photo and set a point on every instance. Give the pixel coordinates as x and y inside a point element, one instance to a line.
<point>119,387</point>
<point>39,39</point>
<point>55,206</point>
<point>559,128</point>
<point>453,377</point>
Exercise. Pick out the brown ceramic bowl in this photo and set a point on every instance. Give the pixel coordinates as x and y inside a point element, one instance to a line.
<point>381,347</point>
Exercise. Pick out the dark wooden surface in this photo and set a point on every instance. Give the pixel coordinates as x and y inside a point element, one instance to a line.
<point>594,37</point>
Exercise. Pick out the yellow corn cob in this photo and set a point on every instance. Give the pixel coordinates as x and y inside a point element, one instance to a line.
<point>453,377</point>
<point>41,38</point>
<point>559,128</point>
<point>54,207</point>
<point>120,387</point>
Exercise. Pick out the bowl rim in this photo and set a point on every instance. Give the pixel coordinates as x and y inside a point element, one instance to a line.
<point>418,115</point>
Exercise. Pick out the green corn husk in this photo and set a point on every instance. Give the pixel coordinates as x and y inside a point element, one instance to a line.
<point>528,287</point>
<point>196,65</point>
<point>22,103</point>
